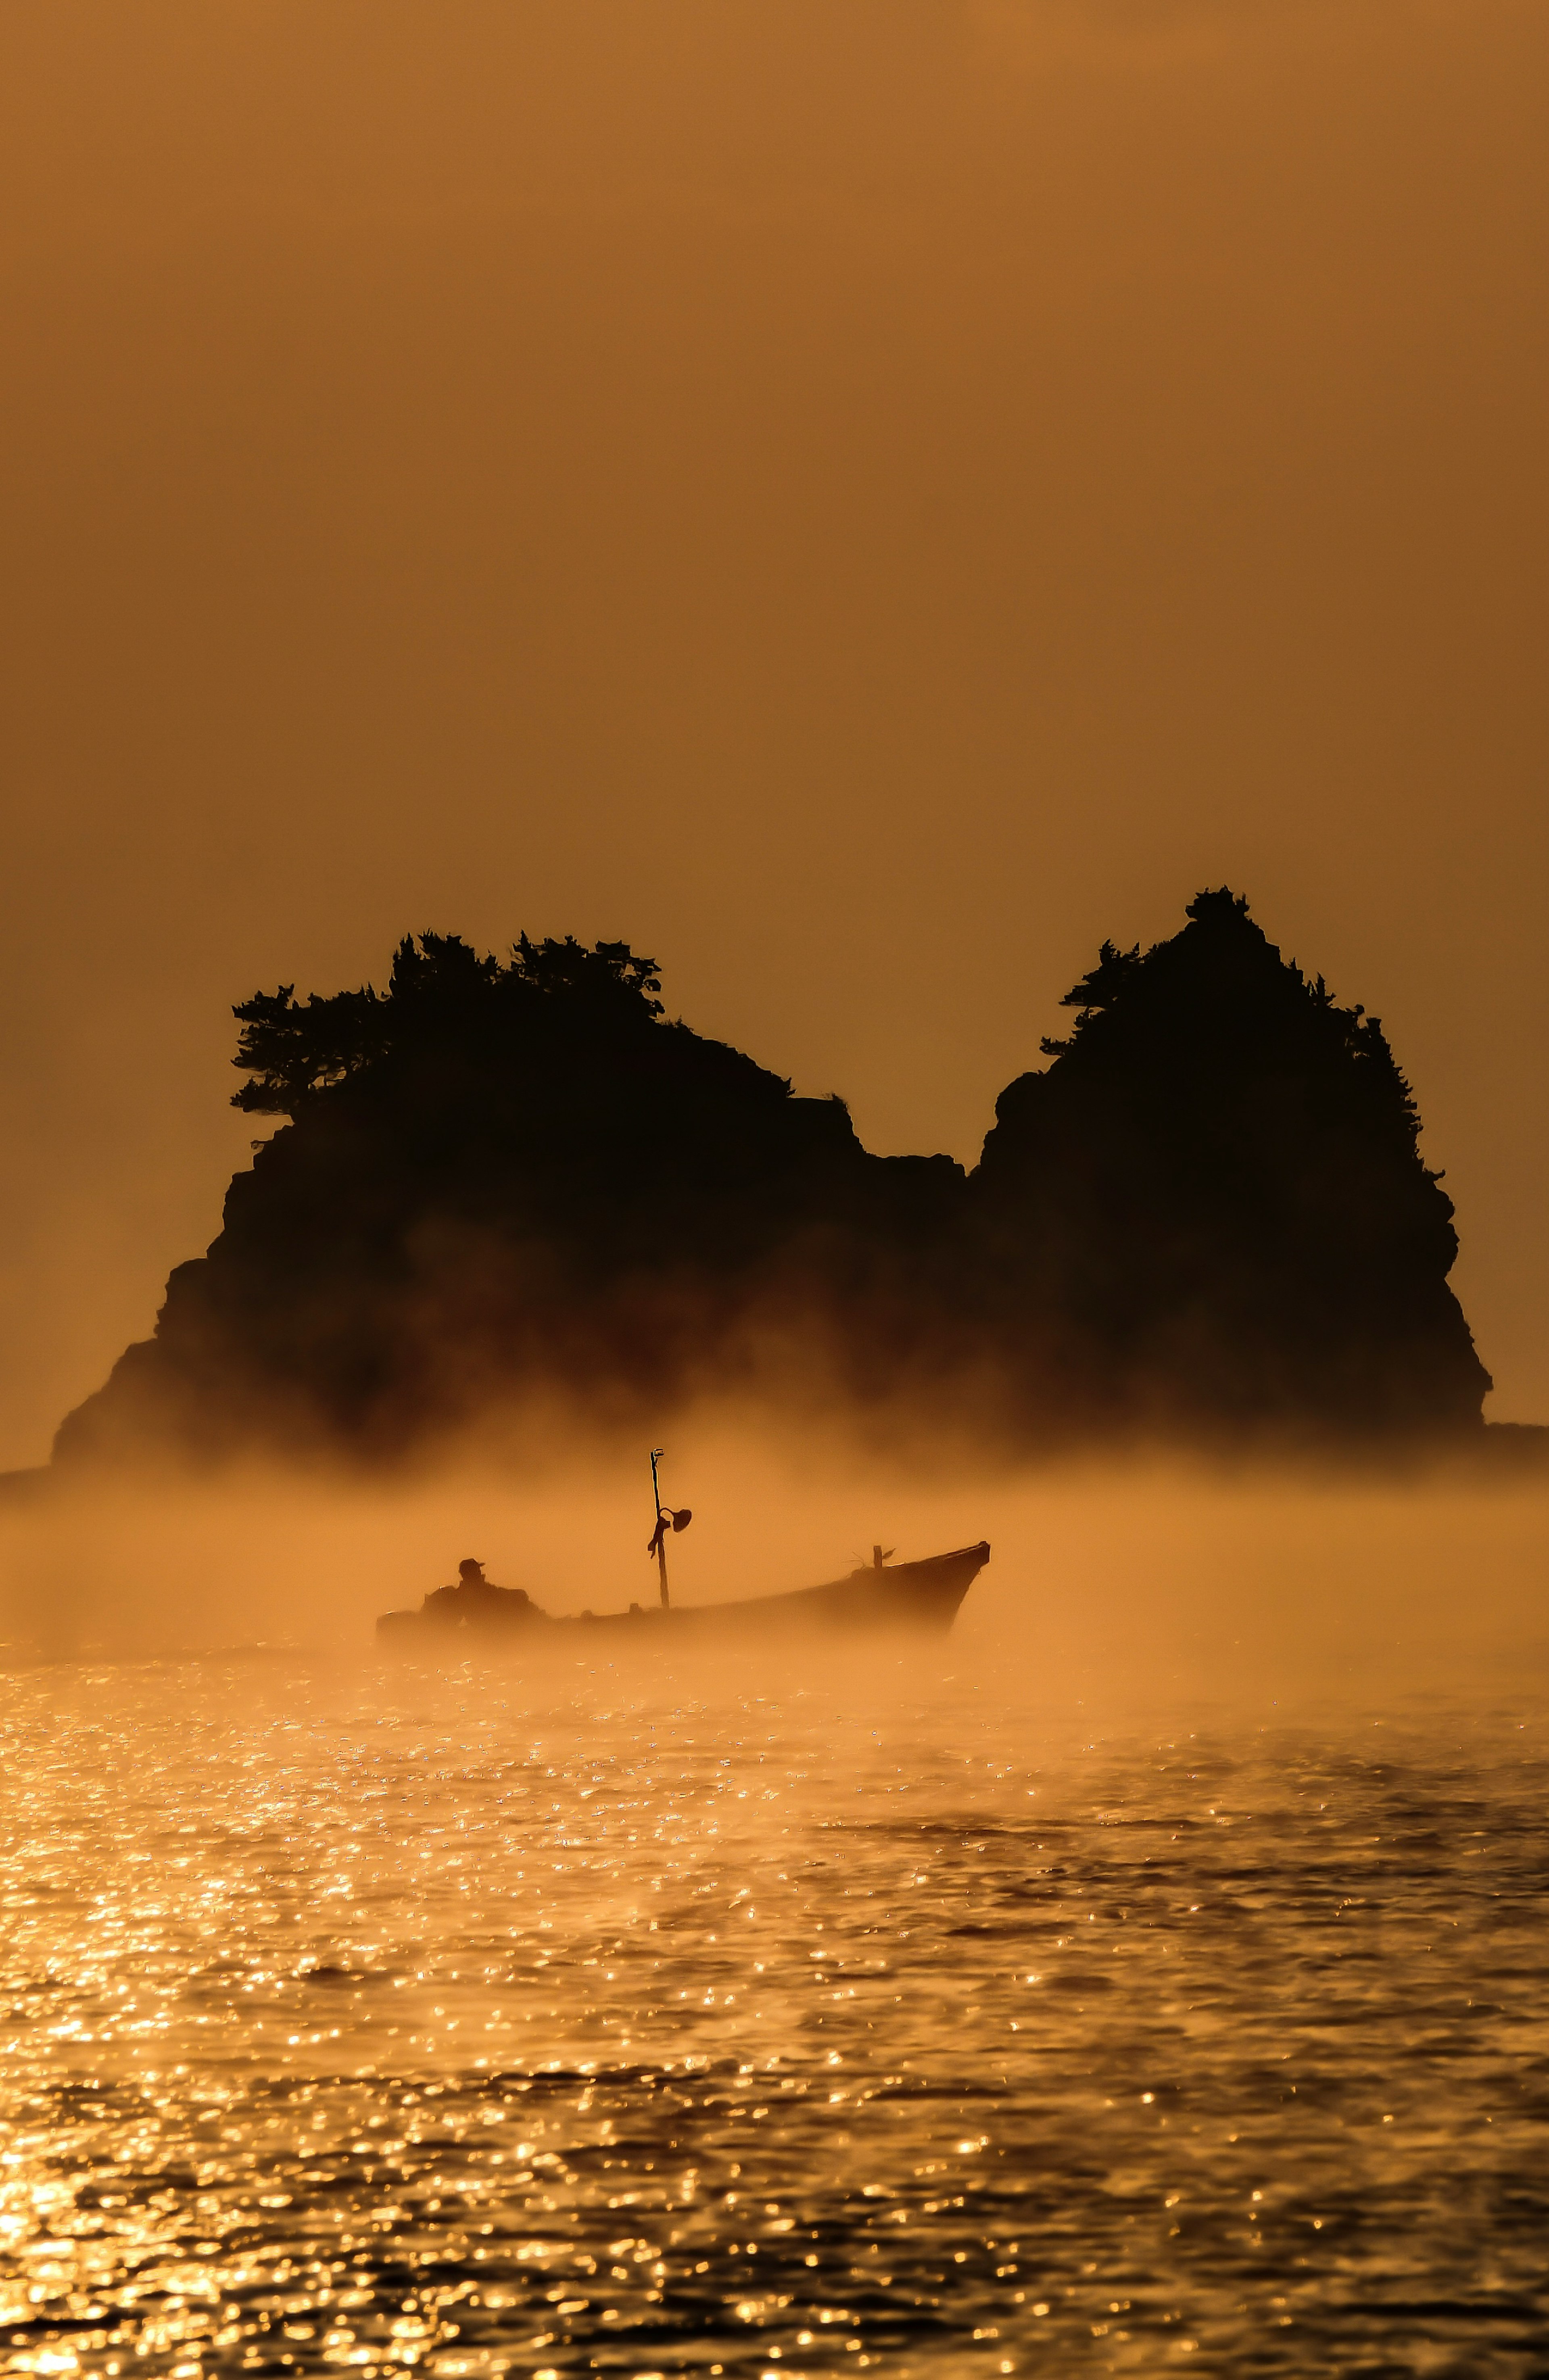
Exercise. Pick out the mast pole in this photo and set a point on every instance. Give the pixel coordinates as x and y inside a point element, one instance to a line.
<point>661,1532</point>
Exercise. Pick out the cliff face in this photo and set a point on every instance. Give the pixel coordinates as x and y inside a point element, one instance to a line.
<point>496,1179</point>
<point>1208,1211</point>
<point>1214,1200</point>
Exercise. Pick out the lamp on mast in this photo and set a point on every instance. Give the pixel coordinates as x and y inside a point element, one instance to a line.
<point>665,1519</point>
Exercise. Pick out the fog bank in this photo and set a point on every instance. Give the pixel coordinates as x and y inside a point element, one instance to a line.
<point>1109,1589</point>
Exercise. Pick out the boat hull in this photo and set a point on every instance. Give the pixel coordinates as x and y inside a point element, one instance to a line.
<point>919,1598</point>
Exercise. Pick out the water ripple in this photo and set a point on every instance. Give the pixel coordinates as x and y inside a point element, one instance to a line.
<point>369,2027</point>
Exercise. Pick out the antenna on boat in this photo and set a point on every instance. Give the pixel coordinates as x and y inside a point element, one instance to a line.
<point>665,1519</point>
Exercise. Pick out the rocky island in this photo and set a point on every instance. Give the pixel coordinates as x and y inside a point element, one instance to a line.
<point>1206,1216</point>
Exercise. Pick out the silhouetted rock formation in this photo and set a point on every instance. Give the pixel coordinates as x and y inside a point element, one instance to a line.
<point>1212,1204</point>
<point>1207,1213</point>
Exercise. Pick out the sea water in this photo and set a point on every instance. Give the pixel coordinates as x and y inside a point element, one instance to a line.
<point>385,2021</point>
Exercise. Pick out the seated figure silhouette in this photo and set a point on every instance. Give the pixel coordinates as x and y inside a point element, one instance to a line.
<point>474,1601</point>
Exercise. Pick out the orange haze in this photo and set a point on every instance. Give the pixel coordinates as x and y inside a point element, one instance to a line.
<point>1113,1590</point>
<point>862,500</point>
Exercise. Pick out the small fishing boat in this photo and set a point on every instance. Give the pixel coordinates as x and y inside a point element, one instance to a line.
<point>913,1597</point>
<point>919,1598</point>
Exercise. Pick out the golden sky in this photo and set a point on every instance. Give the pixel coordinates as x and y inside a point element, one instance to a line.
<point>862,498</point>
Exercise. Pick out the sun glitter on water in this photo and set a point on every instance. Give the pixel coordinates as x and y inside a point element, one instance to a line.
<point>388,2028</point>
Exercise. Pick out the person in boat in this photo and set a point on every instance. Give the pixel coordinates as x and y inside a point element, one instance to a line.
<point>473,1599</point>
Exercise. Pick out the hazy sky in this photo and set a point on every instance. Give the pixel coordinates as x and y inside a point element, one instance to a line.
<point>861,498</point>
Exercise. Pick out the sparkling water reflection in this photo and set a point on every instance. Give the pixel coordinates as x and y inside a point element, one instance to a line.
<point>376,2025</point>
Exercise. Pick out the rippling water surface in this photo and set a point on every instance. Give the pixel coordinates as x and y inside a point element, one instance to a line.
<point>379,2023</point>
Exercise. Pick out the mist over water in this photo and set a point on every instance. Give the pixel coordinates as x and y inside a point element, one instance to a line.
<point>1149,1974</point>
<point>1110,1587</point>
<point>862,502</point>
